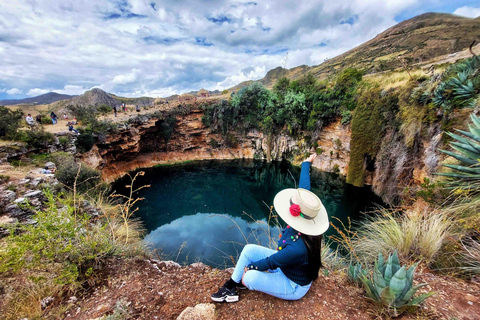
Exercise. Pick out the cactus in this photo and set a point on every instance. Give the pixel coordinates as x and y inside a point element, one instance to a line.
<point>391,285</point>
<point>355,272</point>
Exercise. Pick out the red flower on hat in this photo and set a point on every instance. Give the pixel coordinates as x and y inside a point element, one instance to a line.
<point>295,210</point>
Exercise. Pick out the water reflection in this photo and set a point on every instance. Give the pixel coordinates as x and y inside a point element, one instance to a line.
<point>211,238</point>
<point>178,207</point>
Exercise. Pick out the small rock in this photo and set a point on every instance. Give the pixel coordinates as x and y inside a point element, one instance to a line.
<point>23,181</point>
<point>33,194</point>
<point>46,302</point>
<point>72,299</point>
<point>35,182</point>
<point>202,311</point>
<point>19,200</point>
<point>50,165</point>
<point>7,196</point>
<point>470,303</point>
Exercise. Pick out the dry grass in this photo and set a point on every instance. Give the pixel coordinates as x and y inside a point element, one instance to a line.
<point>418,233</point>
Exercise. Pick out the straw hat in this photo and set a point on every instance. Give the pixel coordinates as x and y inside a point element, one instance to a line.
<point>302,210</point>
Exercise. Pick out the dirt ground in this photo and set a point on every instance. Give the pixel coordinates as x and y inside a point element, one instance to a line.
<point>162,290</point>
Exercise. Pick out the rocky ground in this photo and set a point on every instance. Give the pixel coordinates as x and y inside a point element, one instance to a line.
<point>152,289</point>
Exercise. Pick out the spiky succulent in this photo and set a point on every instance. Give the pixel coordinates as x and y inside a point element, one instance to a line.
<point>391,285</point>
<point>355,272</point>
<point>468,153</point>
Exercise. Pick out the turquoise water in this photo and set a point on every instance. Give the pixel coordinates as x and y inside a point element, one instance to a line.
<point>206,211</point>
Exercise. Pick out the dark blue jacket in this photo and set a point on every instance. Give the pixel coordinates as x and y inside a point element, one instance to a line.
<point>291,256</point>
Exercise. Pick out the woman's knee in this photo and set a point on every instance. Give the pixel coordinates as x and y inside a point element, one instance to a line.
<point>250,279</point>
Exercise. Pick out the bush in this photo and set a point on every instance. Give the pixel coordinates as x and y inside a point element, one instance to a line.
<point>4,178</point>
<point>63,142</point>
<point>38,139</point>
<point>225,91</point>
<point>84,142</point>
<point>231,141</point>
<point>46,119</point>
<point>214,143</point>
<point>70,172</point>
<point>418,233</point>
<point>10,121</point>
<point>63,251</point>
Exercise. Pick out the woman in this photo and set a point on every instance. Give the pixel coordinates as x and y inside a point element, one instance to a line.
<point>54,117</point>
<point>296,262</point>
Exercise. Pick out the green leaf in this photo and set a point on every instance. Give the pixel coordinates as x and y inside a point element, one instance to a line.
<point>388,271</point>
<point>468,142</point>
<point>465,147</point>
<point>387,297</point>
<point>459,157</point>
<point>463,169</point>
<point>475,120</point>
<point>381,263</point>
<point>378,279</point>
<point>473,134</point>
<point>395,262</point>
<point>369,289</point>
<point>416,301</point>
<point>410,293</point>
<point>465,152</point>
<point>398,282</point>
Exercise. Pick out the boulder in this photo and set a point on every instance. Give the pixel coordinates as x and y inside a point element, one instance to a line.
<point>50,165</point>
<point>202,311</point>
<point>7,196</point>
<point>33,194</point>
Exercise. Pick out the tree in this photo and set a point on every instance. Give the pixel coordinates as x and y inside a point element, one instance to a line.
<point>10,121</point>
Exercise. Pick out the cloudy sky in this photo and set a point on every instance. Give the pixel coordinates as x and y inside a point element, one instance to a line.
<point>160,47</point>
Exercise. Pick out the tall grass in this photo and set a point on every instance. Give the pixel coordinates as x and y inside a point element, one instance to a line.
<point>64,251</point>
<point>418,233</point>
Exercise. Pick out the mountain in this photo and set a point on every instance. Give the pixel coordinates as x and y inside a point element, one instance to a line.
<point>46,98</point>
<point>410,42</point>
<point>94,97</point>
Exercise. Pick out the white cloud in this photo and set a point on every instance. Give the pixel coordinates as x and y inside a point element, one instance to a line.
<point>126,78</point>
<point>37,92</point>
<point>71,90</point>
<point>161,47</point>
<point>14,91</point>
<point>469,12</point>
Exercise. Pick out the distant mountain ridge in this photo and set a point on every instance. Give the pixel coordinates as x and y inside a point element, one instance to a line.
<point>46,98</point>
<point>409,42</point>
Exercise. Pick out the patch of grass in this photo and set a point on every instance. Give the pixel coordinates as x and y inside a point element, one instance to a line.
<point>4,178</point>
<point>64,251</point>
<point>418,233</point>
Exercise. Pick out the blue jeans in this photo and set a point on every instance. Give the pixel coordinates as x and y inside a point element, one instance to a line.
<point>274,282</point>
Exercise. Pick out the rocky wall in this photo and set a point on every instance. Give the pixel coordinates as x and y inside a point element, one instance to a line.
<point>139,145</point>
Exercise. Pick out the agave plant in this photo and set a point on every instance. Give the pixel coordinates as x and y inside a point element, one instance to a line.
<point>468,153</point>
<point>355,272</point>
<point>391,285</point>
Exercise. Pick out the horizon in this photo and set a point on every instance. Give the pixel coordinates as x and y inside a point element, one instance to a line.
<point>161,48</point>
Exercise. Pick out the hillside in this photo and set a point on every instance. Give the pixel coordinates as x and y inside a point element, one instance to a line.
<point>413,41</point>
<point>46,98</point>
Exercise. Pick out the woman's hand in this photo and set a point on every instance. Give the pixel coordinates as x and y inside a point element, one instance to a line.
<point>311,158</point>
<point>244,272</point>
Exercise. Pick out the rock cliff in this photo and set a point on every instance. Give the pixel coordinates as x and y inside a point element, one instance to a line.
<point>139,145</point>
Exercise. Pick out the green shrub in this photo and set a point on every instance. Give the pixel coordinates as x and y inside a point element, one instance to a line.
<point>319,151</point>
<point>63,142</point>
<point>225,91</point>
<point>214,143</point>
<point>231,140</point>
<point>38,139</point>
<point>4,178</point>
<point>84,142</point>
<point>391,286</point>
<point>10,121</point>
<point>346,117</point>
<point>69,172</point>
<point>46,119</point>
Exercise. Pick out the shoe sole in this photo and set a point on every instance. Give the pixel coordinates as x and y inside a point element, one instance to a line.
<point>227,299</point>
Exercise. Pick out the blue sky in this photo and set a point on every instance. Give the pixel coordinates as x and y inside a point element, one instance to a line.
<point>157,48</point>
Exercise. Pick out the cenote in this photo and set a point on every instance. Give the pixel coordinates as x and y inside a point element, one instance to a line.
<point>206,211</point>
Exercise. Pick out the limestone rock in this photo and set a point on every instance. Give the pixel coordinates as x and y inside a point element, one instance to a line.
<point>7,196</point>
<point>33,194</point>
<point>202,311</point>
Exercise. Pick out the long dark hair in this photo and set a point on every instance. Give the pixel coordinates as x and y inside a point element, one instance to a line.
<point>314,249</point>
